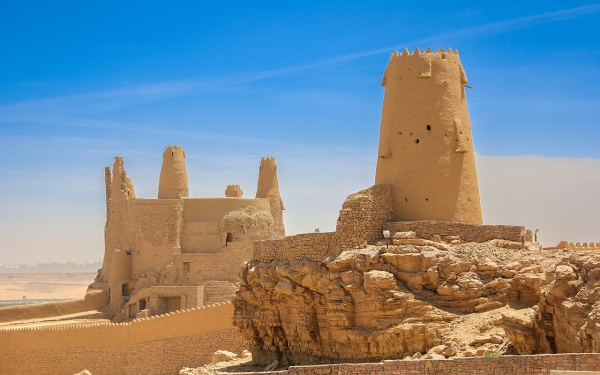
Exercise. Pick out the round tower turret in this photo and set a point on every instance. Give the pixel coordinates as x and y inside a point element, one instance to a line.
<point>173,182</point>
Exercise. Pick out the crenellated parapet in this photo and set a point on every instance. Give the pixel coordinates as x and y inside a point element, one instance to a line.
<point>233,191</point>
<point>565,245</point>
<point>180,323</point>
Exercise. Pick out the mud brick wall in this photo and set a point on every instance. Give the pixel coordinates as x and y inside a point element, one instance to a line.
<point>157,345</point>
<point>156,357</point>
<point>506,365</point>
<point>467,232</point>
<point>310,245</point>
<point>363,214</point>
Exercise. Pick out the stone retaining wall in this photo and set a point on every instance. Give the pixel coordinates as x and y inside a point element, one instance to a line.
<point>506,365</point>
<point>310,245</point>
<point>467,232</point>
<point>363,214</point>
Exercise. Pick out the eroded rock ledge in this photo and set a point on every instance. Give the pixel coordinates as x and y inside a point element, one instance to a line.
<point>383,303</point>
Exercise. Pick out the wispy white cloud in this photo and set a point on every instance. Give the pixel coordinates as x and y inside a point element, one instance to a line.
<point>77,105</point>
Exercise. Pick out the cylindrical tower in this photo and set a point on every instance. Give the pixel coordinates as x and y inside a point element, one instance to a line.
<point>173,182</point>
<point>425,144</point>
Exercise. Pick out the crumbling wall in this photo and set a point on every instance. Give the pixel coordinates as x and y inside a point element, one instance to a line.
<point>468,232</point>
<point>268,187</point>
<point>363,214</point>
<point>312,246</point>
<point>117,229</point>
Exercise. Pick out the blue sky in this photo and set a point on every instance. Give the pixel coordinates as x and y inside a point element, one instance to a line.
<point>234,81</point>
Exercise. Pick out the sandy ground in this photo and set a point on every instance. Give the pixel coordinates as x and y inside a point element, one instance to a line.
<point>44,285</point>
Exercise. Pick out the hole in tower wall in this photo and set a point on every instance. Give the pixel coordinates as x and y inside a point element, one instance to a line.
<point>428,128</point>
<point>406,199</point>
<point>427,199</point>
<point>229,238</point>
<point>417,140</point>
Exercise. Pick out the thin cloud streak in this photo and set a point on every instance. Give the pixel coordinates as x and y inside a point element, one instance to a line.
<point>486,29</point>
<point>101,101</point>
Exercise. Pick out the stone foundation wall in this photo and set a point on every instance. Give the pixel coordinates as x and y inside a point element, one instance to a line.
<point>506,365</point>
<point>219,291</point>
<point>467,232</point>
<point>363,214</point>
<point>310,245</point>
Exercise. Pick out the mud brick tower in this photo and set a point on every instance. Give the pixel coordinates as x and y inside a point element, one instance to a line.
<point>173,183</point>
<point>425,144</point>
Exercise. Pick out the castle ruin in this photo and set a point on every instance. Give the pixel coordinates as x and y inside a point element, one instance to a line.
<point>176,251</point>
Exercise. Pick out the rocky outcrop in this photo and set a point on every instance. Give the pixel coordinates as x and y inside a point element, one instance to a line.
<point>567,317</point>
<point>383,302</point>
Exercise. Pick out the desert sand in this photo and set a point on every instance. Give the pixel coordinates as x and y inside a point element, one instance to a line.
<point>44,285</point>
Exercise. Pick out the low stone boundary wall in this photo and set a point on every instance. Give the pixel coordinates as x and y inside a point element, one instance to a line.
<point>468,232</point>
<point>505,365</point>
<point>157,345</point>
<point>151,358</point>
<point>310,245</point>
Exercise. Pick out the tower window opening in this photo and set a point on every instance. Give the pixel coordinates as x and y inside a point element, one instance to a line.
<point>417,140</point>
<point>428,128</point>
<point>229,238</point>
<point>427,199</point>
<point>406,199</point>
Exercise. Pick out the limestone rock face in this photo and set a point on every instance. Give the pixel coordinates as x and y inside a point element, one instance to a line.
<point>566,318</point>
<point>353,310</point>
<point>379,302</point>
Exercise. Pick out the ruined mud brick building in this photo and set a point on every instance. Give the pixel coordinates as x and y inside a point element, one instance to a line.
<point>178,252</point>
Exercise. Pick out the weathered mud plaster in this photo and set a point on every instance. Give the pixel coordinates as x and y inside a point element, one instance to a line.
<point>425,145</point>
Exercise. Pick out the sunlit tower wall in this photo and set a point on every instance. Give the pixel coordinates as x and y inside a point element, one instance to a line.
<point>173,182</point>
<point>425,145</point>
